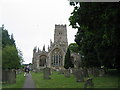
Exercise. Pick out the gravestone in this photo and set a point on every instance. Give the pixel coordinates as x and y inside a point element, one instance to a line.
<point>4,76</point>
<point>9,76</point>
<point>12,76</point>
<point>89,83</point>
<point>79,75</point>
<point>101,72</point>
<point>67,73</point>
<point>71,70</point>
<point>46,73</point>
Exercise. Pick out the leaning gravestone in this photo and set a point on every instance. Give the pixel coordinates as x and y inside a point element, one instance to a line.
<point>79,75</point>
<point>67,73</point>
<point>46,73</point>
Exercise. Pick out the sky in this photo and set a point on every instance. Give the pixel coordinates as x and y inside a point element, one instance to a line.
<point>32,22</point>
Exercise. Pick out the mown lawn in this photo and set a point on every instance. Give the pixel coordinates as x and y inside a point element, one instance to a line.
<point>19,82</point>
<point>59,81</point>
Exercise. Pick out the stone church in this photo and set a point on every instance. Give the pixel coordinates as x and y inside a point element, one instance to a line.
<point>54,57</point>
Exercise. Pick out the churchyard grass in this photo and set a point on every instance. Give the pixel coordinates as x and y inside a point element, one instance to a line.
<point>59,81</point>
<point>56,81</point>
<point>19,82</point>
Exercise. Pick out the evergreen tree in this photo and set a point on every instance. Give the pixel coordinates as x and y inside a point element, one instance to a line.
<point>11,57</point>
<point>68,62</point>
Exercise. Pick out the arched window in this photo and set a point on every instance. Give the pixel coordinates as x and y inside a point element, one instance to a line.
<point>56,57</point>
<point>42,60</point>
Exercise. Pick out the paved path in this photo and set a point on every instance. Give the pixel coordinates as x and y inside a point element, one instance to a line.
<point>29,82</point>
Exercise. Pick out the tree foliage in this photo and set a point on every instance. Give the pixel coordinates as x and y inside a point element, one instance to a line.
<point>11,56</point>
<point>68,61</point>
<point>98,32</point>
<point>73,48</point>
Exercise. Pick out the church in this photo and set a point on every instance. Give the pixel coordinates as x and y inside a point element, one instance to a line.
<point>54,57</point>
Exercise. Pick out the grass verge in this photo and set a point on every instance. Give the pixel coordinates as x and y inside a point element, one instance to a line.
<point>59,81</point>
<point>19,82</point>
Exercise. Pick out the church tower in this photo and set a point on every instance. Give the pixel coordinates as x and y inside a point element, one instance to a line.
<point>60,35</point>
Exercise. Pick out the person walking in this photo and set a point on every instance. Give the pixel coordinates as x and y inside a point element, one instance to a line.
<point>27,70</point>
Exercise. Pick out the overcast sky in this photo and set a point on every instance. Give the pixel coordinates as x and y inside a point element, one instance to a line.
<point>32,22</point>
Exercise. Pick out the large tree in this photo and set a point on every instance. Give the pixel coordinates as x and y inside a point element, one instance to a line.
<point>98,32</point>
<point>11,56</point>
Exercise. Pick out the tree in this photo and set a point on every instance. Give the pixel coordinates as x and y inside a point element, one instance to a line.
<point>20,55</point>
<point>68,61</point>
<point>98,32</point>
<point>74,47</point>
<point>10,58</point>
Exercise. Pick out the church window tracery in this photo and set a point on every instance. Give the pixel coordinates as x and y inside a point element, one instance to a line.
<point>56,59</point>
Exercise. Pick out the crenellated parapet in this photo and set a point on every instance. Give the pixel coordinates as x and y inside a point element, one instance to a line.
<point>60,26</point>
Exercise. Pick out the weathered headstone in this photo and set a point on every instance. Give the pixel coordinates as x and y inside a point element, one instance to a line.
<point>12,76</point>
<point>9,76</point>
<point>67,73</point>
<point>79,75</point>
<point>101,72</point>
<point>71,71</point>
<point>4,76</point>
<point>46,73</point>
<point>89,83</point>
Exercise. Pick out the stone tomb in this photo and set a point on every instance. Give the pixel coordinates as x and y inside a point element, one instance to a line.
<point>79,75</point>
<point>46,73</point>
